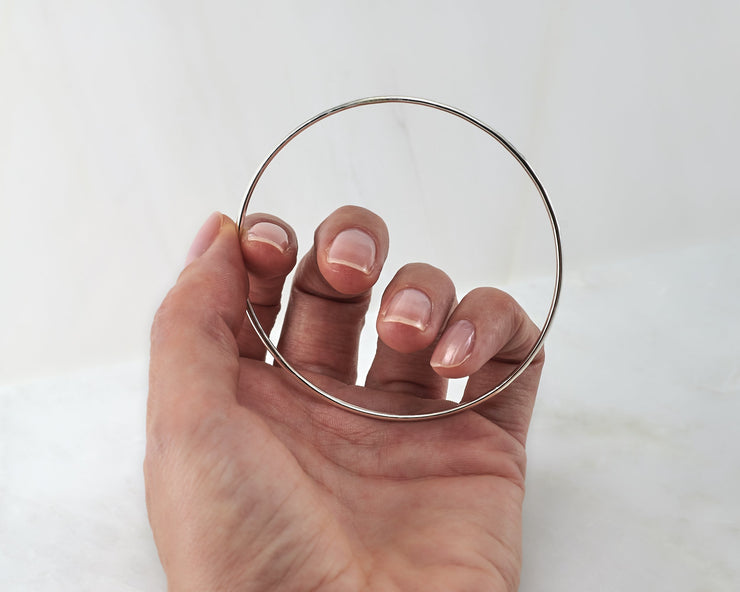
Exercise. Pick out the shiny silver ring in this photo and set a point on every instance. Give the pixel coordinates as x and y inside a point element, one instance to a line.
<point>553,224</point>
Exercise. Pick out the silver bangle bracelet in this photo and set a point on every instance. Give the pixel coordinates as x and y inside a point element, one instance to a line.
<point>555,233</point>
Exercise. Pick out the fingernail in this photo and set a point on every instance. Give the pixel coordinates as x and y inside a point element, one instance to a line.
<point>269,233</point>
<point>455,346</point>
<point>204,238</point>
<point>409,307</point>
<point>353,248</point>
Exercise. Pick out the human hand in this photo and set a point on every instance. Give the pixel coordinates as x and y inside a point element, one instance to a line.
<point>255,484</point>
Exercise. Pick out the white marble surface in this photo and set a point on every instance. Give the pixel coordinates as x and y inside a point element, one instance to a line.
<point>633,479</point>
<point>72,512</point>
<point>634,476</point>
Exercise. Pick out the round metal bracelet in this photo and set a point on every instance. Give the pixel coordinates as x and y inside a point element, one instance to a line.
<point>555,233</point>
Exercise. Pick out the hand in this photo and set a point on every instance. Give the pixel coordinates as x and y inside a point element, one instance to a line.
<point>253,483</point>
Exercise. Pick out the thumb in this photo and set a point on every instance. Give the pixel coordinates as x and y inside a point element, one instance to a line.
<point>194,359</point>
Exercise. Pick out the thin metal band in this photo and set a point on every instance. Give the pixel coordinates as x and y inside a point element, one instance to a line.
<point>555,233</point>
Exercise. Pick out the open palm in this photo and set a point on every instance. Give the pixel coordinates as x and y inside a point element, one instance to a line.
<point>254,484</point>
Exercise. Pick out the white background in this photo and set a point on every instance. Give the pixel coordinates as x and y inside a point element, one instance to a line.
<point>123,125</point>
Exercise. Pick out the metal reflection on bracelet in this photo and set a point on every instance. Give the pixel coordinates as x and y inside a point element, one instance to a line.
<point>280,359</point>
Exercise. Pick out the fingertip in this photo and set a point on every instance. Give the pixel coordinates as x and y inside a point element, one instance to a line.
<point>215,271</point>
<point>350,261</point>
<point>414,308</point>
<point>454,349</point>
<point>269,245</point>
<point>269,233</point>
<point>351,247</point>
<point>205,237</point>
<point>404,322</point>
<point>488,324</point>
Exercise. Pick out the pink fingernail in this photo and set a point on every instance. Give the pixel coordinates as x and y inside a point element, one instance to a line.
<point>409,307</point>
<point>269,233</point>
<point>456,345</point>
<point>353,248</point>
<point>204,238</point>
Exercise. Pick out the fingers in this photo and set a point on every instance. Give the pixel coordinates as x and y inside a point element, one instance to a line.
<point>486,338</point>
<point>349,250</point>
<point>194,364</point>
<point>487,323</point>
<point>413,311</point>
<point>269,247</point>
<point>331,293</point>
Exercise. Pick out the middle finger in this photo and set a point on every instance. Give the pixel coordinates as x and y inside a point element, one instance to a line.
<point>331,293</point>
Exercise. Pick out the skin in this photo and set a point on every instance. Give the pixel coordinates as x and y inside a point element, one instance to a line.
<point>254,484</point>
